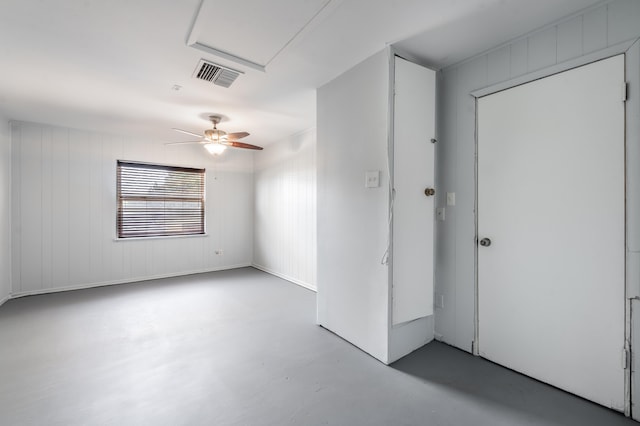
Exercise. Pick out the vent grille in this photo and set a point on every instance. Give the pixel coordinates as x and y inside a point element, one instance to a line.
<point>208,72</point>
<point>215,74</point>
<point>225,78</point>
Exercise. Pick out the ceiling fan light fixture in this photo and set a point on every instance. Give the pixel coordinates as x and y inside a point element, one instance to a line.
<point>216,141</point>
<point>215,148</point>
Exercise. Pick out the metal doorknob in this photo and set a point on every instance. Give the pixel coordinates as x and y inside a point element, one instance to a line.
<point>485,242</point>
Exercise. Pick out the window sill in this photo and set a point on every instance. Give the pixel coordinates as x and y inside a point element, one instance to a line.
<point>161,237</point>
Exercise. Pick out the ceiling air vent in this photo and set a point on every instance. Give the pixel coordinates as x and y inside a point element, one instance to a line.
<point>216,74</point>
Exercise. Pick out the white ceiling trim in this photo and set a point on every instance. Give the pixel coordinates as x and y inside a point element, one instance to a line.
<point>193,42</point>
<point>228,56</point>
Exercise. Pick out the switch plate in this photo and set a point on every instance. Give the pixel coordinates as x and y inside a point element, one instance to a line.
<point>439,301</point>
<point>451,198</point>
<point>372,179</point>
<point>440,214</point>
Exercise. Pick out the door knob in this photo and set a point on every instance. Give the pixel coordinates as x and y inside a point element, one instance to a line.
<point>485,242</point>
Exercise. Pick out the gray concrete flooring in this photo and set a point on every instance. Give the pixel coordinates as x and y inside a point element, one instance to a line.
<point>241,348</point>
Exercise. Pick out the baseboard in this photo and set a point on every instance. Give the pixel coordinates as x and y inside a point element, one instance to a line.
<point>286,277</point>
<point>124,281</point>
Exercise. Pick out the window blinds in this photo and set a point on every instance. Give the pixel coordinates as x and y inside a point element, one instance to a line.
<point>156,200</point>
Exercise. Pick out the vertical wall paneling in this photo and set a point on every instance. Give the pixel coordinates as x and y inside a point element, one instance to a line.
<point>569,40</point>
<point>518,57</point>
<point>96,209</point>
<point>594,30</point>
<point>46,218</point>
<point>542,49</point>
<point>15,221</point>
<point>285,206</point>
<point>5,209</point>
<point>498,65</point>
<point>208,249</point>
<point>60,218</point>
<point>64,212</point>
<point>79,206</point>
<point>30,208</point>
<point>112,257</point>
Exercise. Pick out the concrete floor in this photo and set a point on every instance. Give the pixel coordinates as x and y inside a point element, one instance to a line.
<point>241,348</point>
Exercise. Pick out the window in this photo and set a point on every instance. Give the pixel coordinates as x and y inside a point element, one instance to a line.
<point>156,200</point>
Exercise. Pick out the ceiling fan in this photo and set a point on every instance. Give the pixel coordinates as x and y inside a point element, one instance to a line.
<point>215,140</point>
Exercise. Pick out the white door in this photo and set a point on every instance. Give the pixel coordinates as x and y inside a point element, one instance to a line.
<point>413,172</point>
<point>551,201</point>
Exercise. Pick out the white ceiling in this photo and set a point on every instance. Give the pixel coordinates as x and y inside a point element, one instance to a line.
<point>111,65</point>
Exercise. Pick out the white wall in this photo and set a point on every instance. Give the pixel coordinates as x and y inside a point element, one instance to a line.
<point>63,211</point>
<point>352,125</point>
<point>593,31</point>
<point>285,209</point>
<point>5,210</point>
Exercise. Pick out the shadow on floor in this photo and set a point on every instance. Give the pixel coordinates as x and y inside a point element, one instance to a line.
<point>503,389</point>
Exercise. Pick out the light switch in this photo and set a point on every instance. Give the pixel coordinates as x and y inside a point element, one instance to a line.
<point>451,198</point>
<point>440,214</point>
<point>439,301</point>
<point>372,179</point>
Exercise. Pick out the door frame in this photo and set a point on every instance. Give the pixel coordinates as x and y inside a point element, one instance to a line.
<point>631,51</point>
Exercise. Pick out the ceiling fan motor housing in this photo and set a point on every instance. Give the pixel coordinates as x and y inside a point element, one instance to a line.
<point>214,134</point>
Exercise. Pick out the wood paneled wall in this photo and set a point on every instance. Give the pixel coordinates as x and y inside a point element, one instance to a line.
<point>64,211</point>
<point>285,209</point>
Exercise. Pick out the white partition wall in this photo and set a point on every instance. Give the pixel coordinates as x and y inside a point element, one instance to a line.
<point>353,291</point>
<point>355,141</point>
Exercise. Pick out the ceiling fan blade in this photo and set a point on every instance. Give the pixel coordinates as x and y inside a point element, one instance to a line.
<point>188,132</point>
<point>184,143</point>
<point>237,135</point>
<point>235,144</point>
